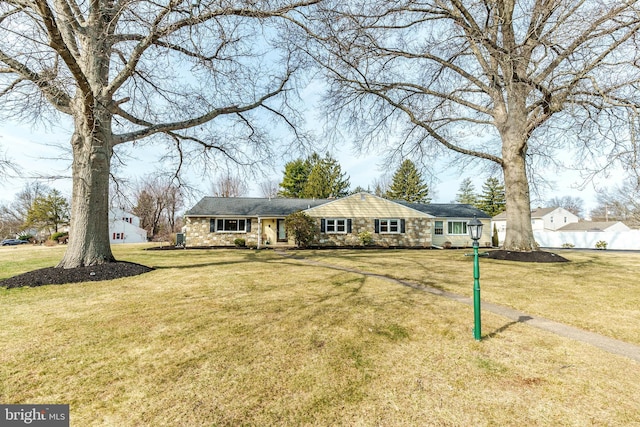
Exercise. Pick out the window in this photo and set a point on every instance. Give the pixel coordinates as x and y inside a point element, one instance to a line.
<point>335,225</point>
<point>129,220</point>
<point>118,236</point>
<point>457,227</point>
<point>229,225</point>
<point>438,228</point>
<point>389,226</point>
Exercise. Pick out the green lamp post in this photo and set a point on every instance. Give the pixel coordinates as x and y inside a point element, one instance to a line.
<point>475,231</point>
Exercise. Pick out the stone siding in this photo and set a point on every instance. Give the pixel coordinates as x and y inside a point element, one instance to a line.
<point>198,234</point>
<point>417,234</point>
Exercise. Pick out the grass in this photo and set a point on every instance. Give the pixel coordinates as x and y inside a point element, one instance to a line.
<point>240,337</point>
<point>596,291</point>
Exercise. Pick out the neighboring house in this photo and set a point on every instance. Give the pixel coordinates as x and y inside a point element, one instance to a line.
<point>124,227</point>
<point>542,219</point>
<point>218,221</point>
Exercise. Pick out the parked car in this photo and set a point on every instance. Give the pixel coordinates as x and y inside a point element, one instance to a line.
<point>13,242</point>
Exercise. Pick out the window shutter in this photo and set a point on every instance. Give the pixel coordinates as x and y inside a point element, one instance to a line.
<point>248,225</point>
<point>323,226</point>
<point>376,225</point>
<point>349,225</point>
<point>402,225</point>
<point>212,225</point>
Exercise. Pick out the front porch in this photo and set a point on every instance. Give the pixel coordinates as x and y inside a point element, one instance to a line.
<point>272,233</point>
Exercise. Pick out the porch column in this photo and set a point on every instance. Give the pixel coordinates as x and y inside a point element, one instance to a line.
<point>259,232</point>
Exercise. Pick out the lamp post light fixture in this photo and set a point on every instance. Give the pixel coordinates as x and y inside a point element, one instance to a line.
<point>475,231</point>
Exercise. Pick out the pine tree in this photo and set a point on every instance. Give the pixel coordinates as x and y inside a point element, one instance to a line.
<point>296,174</point>
<point>467,193</point>
<point>407,184</point>
<point>492,201</point>
<point>48,212</point>
<point>326,179</point>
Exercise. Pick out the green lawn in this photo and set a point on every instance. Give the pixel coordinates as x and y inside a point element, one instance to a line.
<point>241,337</point>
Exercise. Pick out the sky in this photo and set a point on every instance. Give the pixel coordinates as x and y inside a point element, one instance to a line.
<point>33,150</point>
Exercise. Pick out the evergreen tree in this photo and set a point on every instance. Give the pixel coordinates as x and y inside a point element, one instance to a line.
<point>359,189</point>
<point>296,174</point>
<point>48,212</point>
<point>467,193</point>
<point>314,177</point>
<point>407,184</point>
<point>326,179</point>
<point>492,200</point>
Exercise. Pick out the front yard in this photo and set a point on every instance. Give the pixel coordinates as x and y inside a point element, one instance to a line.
<point>241,337</point>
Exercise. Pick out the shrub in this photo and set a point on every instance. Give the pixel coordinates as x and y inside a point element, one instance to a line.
<point>58,235</point>
<point>601,244</point>
<point>366,238</point>
<point>568,245</point>
<point>302,227</point>
<point>240,243</point>
<point>25,237</point>
<point>447,245</point>
<point>495,242</point>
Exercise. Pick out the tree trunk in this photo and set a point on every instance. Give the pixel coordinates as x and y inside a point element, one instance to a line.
<point>89,229</point>
<point>519,236</point>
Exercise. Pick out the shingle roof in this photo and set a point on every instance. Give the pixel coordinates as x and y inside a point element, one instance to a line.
<point>540,212</point>
<point>446,210</point>
<point>256,206</point>
<point>535,213</point>
<point>251,206</point>
<point>588,226</point>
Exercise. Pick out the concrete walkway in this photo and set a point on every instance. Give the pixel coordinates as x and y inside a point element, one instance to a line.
<point>610,345</point>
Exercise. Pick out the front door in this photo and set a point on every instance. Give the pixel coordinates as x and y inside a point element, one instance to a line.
<point>282,233</point>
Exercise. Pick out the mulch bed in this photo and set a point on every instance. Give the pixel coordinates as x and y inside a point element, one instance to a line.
<point>534,256</point>
<point>58,276</point>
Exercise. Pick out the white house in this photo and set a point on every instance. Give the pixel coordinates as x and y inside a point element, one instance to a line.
<point>124,227</point>
<point>542,219</point>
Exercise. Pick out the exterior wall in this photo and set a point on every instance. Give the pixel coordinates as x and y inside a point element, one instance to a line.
<point>127,232</point>
<point>558,218</point>
<point>462,240</point>
<point>417,234</point>
<point>537,224</point>
<point>197,234</point>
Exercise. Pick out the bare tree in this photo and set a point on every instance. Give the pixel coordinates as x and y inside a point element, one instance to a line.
<point>575,205</point>
<point>621,203</point>
<point>511,82</point>
<point>146,72</point>
<point>229,186</point>
<point>270,188</point>
<point>6,166</point>
<point>157,203</point>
